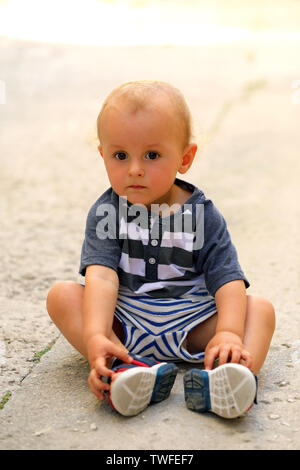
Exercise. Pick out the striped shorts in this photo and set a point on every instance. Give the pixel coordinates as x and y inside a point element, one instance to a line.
<point>157,328</point>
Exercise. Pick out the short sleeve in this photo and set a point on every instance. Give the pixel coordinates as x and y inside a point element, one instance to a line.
<point>217,259</point>
<point>101,244</point>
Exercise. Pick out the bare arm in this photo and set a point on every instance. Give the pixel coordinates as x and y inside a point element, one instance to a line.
<point>100,297</point>
<point>227,344</point>
<point>231,307</point>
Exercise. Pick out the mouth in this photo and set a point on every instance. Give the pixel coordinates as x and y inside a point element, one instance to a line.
<point>136,186</point>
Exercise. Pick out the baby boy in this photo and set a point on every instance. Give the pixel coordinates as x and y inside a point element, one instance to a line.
<point>162,278</point>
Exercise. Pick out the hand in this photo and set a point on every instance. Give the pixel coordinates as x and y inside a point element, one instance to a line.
<point>228,347</point>
<point>101,351</point>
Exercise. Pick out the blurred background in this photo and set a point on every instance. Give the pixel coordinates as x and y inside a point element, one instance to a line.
<point>236,62</point>
<point>159,22</point>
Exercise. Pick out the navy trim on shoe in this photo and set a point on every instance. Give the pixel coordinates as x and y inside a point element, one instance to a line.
<point>196,390</point>
<point>165,378</point>
<point>256,381</point>
<point>228,390</point>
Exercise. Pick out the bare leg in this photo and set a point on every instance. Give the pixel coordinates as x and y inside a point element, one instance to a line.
<point>64,305</point>
<point>259,328</point>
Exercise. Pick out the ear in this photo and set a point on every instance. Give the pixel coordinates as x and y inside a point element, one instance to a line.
<point>187,158</point>
<point>100,150</point>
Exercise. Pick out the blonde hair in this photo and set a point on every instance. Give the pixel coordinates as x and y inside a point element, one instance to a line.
<point>140,93</point>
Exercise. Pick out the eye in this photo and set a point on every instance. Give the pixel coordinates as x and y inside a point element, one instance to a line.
<point>120,155</point>
<point>152,155</point>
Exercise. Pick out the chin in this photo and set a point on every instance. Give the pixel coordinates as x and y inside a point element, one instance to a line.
<point>138,201</point>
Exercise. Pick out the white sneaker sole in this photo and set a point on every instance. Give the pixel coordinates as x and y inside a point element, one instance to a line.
<point>228,391</point>
<point>133,389</point>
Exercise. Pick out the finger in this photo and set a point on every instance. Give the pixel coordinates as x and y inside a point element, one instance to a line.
<point>99,394</point>
<point>236,355</point>
<point>120,353</point>
<point>96,391</point>
<point>103,371</point>
<point>210,357</point>
<point>101,367</point>
<point>115,376</point>
<point>96,382</point>
<point>246,358</point>
<point>224,355</point>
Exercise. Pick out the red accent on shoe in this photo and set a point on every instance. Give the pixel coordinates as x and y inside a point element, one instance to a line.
<point>138,363</point>
<point>249,408</point>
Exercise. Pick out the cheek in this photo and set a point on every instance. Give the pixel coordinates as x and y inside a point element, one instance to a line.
<point>115,174</point>
<point>117,178</point>
<point>162,173</point>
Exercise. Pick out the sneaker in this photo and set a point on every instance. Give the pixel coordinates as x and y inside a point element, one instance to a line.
<point>140,383</point>
<point>228,391</point>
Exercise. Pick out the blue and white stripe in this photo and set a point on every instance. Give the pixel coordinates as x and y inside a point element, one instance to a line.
<point>157,328</point>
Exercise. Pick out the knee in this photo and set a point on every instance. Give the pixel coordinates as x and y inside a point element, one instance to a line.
<point>266,310</point>
<point>57,295</point>
<point>269,313</point>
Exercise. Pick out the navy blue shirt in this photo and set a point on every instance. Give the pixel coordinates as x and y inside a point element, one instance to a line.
<point>161,256</point>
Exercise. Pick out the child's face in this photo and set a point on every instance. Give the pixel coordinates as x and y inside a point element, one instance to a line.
<point>143,152</point>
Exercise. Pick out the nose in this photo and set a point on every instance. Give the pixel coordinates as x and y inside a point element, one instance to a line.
<point>135,168</point>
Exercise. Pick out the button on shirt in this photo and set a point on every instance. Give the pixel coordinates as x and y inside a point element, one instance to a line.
<point>169,263</point>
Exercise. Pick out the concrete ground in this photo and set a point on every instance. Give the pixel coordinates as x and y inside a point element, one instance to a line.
<point>246,108</point>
